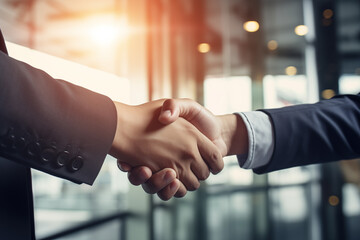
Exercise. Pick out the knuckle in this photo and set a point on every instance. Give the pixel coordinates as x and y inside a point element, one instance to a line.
<point>217,163</point>
<point>169,103</point>
<point>215,157</point>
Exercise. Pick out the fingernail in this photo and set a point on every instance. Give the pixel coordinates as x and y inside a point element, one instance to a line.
<point>169,176</point>
<point>143,175</point>
<point>167,113</point>
<point>119,166</point>
<point>173,185</point>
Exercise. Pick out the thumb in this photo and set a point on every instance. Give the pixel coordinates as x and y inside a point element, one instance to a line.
<point>191,111</point>
<point>172,109</point>
<point>169,111</point>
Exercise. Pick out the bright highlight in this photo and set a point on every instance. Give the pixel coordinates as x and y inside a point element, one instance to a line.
<point>251,26</point>
<point>104,34</point>
<point>204,47</point>
<point>327,93</point>
<point>291,71</point>
<point>301,30</point>
<point>107,29</point>
<point>272,45</point>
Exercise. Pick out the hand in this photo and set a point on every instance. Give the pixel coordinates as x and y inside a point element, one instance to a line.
<point>200,117</point>
<point>164,182</point>
<point>227,132</point>
<point>141,140</point>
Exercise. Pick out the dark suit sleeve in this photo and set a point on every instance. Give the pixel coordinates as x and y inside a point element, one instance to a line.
<point>52,125</point>
<point>315,133</point>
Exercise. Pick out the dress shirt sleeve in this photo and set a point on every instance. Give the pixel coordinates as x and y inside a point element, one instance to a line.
<point>261,140</point>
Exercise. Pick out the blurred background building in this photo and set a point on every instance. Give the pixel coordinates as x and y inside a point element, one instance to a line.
<point>230,55</point>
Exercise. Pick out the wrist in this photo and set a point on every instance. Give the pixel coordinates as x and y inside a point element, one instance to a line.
<point>122,111</point>
<point>234,134</point>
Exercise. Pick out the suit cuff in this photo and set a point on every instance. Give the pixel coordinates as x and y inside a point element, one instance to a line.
<point>261,140</point>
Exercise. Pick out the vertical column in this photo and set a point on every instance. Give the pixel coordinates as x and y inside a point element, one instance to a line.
<point>328,72</point>
<point>327,57</point>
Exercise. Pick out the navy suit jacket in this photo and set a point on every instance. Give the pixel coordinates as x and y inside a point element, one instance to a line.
<point>315,133</point>
<point>50,125</point>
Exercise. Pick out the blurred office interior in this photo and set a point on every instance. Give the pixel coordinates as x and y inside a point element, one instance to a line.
<point>230,55</point>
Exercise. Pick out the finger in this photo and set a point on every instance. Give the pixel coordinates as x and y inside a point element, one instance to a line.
<point>191,111</point>
<point>159,180</point>
<point>169,191</point>
<point>190,181</point>
<point>211,155</point>
<point>139,175</point>
<point>123,166</point>
<point>181,191</point>
<point>200,169</point>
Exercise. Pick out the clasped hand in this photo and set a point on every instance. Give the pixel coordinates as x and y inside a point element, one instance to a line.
<point>168,146</point>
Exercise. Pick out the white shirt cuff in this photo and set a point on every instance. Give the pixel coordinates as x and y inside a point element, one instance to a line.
<point>261,140</point>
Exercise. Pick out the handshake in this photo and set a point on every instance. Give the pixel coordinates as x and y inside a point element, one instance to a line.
<point>168,146</point>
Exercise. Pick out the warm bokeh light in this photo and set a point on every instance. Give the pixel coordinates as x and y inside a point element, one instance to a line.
<point>328,13</point>
<point>301,30</point>
<point>251,26</point>
<point>272,45</point>
<point>204,47</point>
<point>107,34</point>
<point>291,70</point>
<point>334,200</point>
<point>107,29</point>
<point>327,93</point>
<point>104,34</point>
